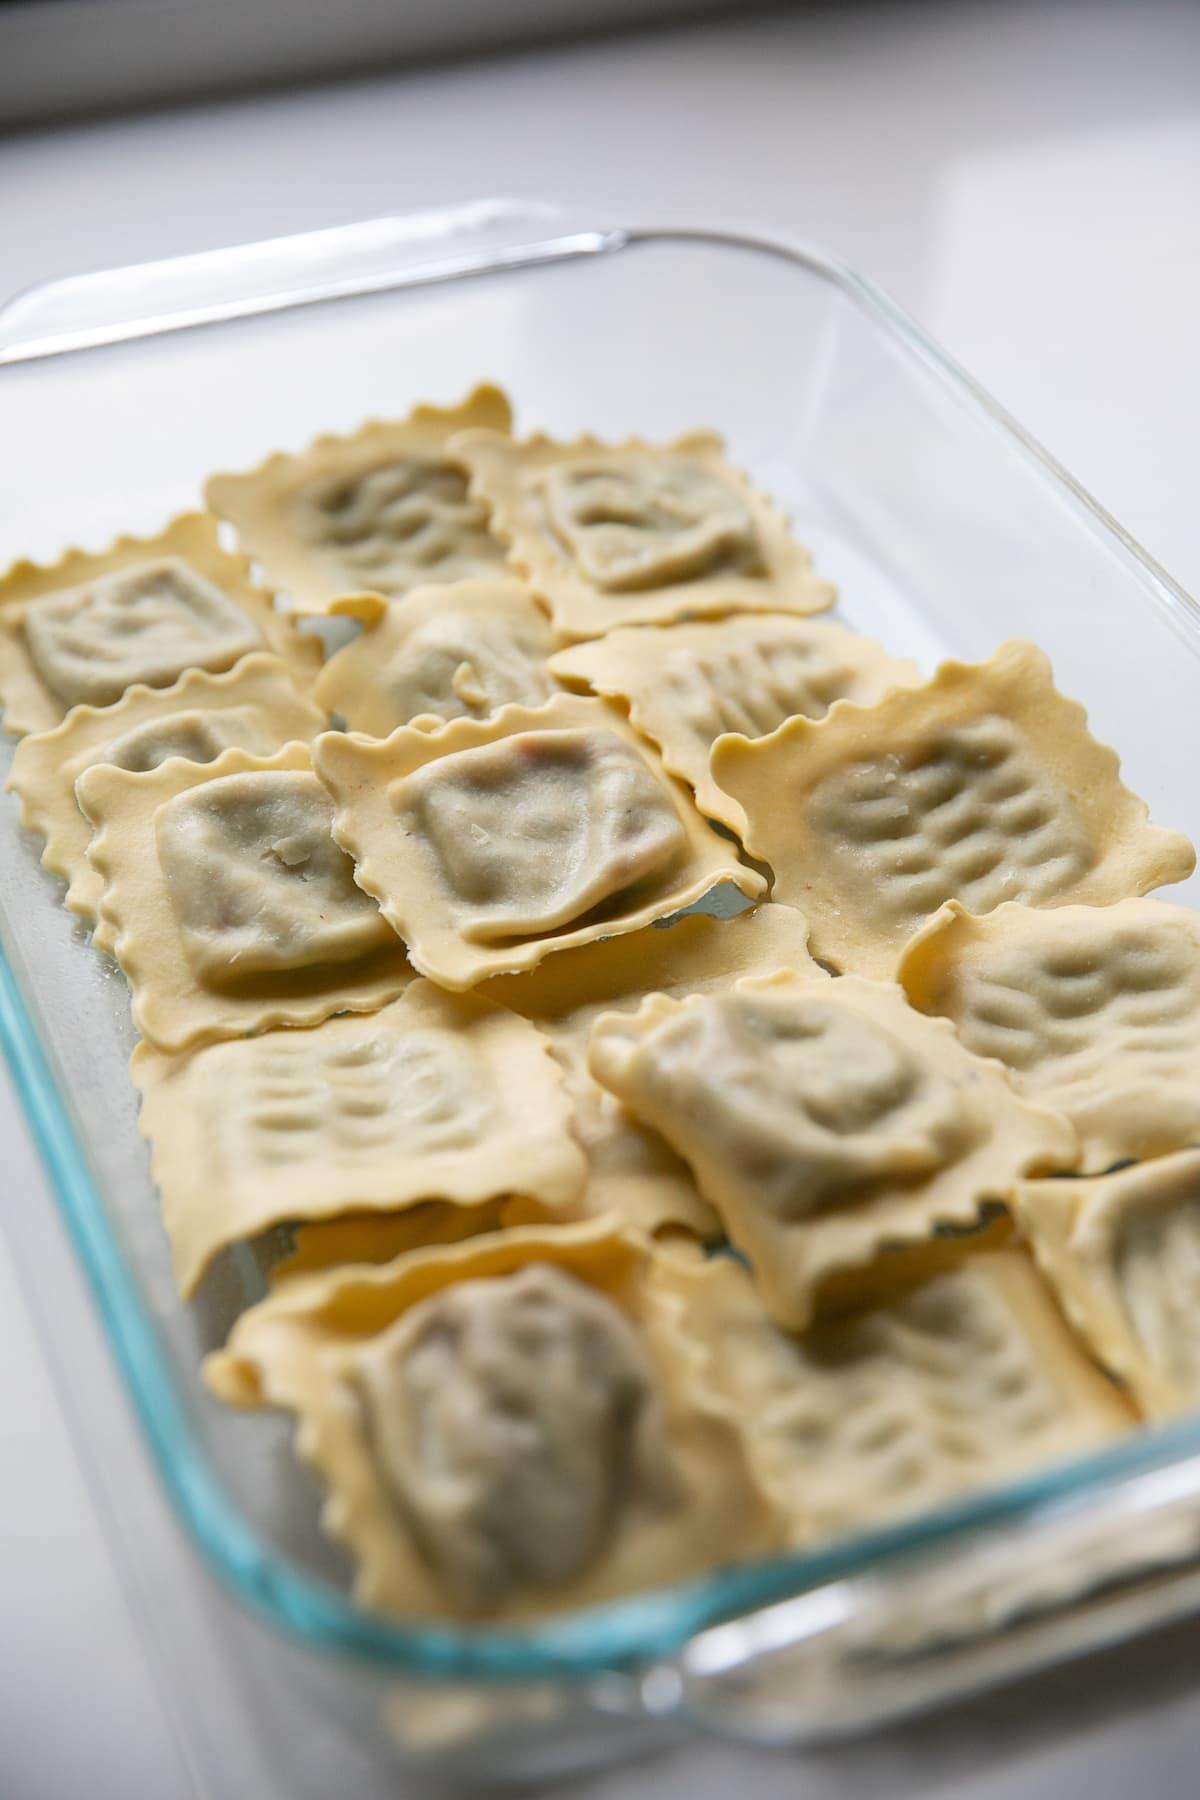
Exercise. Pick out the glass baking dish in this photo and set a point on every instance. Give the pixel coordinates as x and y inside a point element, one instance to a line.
<point>946,530</point>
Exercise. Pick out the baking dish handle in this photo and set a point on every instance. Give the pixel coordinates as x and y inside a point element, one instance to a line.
<point>409,249</point>
<point>943,1623</point>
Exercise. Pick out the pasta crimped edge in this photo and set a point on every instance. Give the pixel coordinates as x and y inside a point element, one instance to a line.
<point>270,1360</point>
<point>29,705</point>
<point>578,608</point>
<point>359,771</point>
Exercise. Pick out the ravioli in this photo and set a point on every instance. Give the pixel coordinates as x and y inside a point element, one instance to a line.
<point>508,1427</point>
<point>1094,1009</point>
<point>231,907</point>
<point>491,843</point>
<point>253,706</point>
<point>963,1381</point>
<point>636,533</point>
<point>439,655</point>
<point>982,786</point>
<point>382,511</point>
<point>687,685</point>
<point>84,630</point>
<point>825,1121</point>
<point>434,1098</point>
<point>632,1171</point>
<point>1122,1252</point>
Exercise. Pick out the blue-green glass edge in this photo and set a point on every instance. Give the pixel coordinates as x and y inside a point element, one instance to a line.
<point>644,1628</point>
<point>583,1644</point>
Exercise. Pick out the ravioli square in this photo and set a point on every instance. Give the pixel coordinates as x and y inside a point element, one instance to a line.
<point>434,1098</point>
<point>1122,1253</point>
<point>438,654</point>
<point>825,1120</point>
<point>634,533</point>
<point>230,905</point>
<point>382,511</point>
<point>253,706</point>
<point>686,685</point>
<point>87,628</point>
<point>965,1380</point>
<point>508,1427</point>
<point>632,1170</point>
<point>1094,1010</point>
<point>982,786</point>
<point>491,843</point>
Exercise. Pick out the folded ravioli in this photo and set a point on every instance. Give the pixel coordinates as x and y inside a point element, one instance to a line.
<point>1095,1010</point>
<point>436,1097</point>
<point>687,685</point>
<point>622,534</point>
<point>1122,1252</point>
<point>632,1171</point>
<point>253,706</point>
<point>509,1427</point>
<point>825,1121</point>
<point>230,905</point>
<point>87,628</point>
<point>382,512</point>
<point>491,843</point>
<point>965,1380</point>
<point>439,655</point>
<point>982,786</point>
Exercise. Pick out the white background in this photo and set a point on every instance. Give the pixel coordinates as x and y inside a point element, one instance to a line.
<point>1026,180</point>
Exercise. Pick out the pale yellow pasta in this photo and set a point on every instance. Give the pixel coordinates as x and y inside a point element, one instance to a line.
<point>491,843</point>
<point>382,511</point>
<point>982,786</point>
<point>825,1120</point>
<point>630,1474</point>
<point>633,533</point>
<point>83,630</point>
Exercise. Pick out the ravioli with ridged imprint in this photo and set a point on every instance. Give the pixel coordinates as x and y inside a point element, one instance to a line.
<point>508,1427</point>
<point>382,511</point>
<point>490,843</point>
<point>631,1168</point>
<point>687,685</point>
<point>966,1380</point>
<point>633,533</point>
<point>1122,1252</point>
<point>825,1121</point>
<point>1094,1009</point>
<point>982,786</point>
<point>231,906</point>
<point>84,630</point>
<point>253,706</point>
<point>439,655</point>
<point>436,1097</point>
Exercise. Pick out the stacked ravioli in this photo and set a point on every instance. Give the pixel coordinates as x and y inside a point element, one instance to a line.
<point>694,1086</point>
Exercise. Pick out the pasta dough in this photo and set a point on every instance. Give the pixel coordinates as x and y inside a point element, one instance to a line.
<point>634,533</point>
<point>381,512</point>
<point>490,843</point>
<point>982,786</point>
<point>1094,1009</point>
<point>88,627</point>
<point>686,685</point>
<point>439,655</point>
<point>429,1363</point>
<point>232,908</point>
<point>966,1380</point>
<point>1122,1252</point>
<point>253,706</point>
<point>631,1168</point>
<point>435,1097</point>
<point>824,1121</point>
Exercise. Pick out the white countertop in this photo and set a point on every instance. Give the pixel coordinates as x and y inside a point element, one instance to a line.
<point>1025,180</point>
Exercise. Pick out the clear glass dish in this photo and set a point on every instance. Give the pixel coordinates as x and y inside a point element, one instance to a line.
<point>947,530</point>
